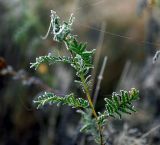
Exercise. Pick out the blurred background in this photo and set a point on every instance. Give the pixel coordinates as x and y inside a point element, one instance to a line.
<point>127,32</point>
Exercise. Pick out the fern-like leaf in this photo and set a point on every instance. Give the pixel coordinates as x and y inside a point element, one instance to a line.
<point>70,100</point>
<point>49,59</point>
<point>121,103</point>
<point>102,119</point>
<point>80,50</point>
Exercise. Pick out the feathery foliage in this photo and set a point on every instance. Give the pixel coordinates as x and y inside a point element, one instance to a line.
<point>80,59</point>
<point>70,100</point>
<point>49,59</point>
<point>121,103</point>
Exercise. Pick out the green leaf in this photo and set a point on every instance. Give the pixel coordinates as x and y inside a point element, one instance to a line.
<point>121,103</point>
<point>70,100</point>
<point>102,119</point>
<point>49,59</point>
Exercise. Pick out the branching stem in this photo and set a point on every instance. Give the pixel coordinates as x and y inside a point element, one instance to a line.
<point>89,99</point>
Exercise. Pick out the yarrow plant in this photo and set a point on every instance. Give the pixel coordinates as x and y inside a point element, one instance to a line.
<point>80,59</point>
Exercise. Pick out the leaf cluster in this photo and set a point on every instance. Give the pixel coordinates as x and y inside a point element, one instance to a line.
<point>79,49</point>
<point>118,104</point>
<point>80,59</point>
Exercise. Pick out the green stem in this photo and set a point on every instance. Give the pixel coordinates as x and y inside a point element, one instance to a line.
<point>88,96</point>
<point>92,106</point>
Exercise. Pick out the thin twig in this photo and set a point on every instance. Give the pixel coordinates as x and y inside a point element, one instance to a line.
<point>138,140</point>
<point>156,56</point>
<point>97,55</point>
<point>100,77</point>
<point>150,131</point>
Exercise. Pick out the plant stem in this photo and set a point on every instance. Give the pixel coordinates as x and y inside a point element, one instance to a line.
<point>88,95</point>
<point>92,106</point>
<point>100,77</point>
